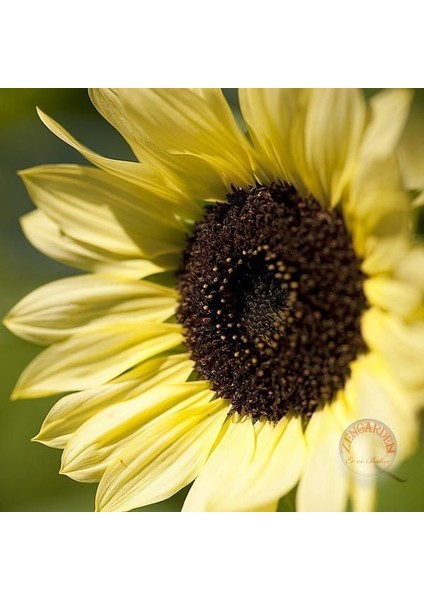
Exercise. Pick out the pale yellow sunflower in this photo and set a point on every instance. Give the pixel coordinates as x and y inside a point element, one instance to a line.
<point>253,290</point>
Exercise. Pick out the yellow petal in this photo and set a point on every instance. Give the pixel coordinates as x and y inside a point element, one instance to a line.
<point>326,139</point>
<point>400,344</point>
<point>165,457</point>
<point>324,484</point>
<point>202,121</point>
<point>94,357</point>
<point>253,466</point>
<point>188,131</point>
<point>269,115</point>
<point>141,115</point>
<point>98,441</point>
<point>101,210</point>
<point>378,214</point>
<point>45,235</point>
<point>375,394</point>
<point>411,268</point>
<point>109,105</point>
<point>363,494</point>
<point>388,115</point>
<point>72,411</point>
<point>150,179</point>
<point>384,254</point>
<point>277,464</point>
<point>378,210</point>
<point>59,309</point>
<point>391,294</point>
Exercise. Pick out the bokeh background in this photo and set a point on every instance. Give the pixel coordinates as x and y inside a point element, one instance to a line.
<point>29,479</point>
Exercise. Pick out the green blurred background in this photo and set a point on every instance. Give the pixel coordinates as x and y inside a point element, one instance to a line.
<point>29,479</point>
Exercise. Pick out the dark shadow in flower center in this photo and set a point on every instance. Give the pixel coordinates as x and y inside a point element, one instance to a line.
<point>271,300</point>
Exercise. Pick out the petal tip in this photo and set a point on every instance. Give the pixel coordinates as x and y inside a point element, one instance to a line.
<point>17,394</point>
<point>25,174</point>
<point>66,469</point>
<point>41,113</point>
<point>47,121</point>
<point>101,506</point>
<point>38,438</point>
<point>7,320</point>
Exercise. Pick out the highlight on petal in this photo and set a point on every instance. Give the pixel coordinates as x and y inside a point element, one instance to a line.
<point>325,140</point>
<point>164,457</point>
<point>59,309</point>
<point>96,208</point>
<point>202,121</point>
<point>72,411</point>
<point>324,483</point>
<point>269,115</point>
<point>149,179</point>
<point>94,356</point>
<point>155,107</point>
<point>252,466</point>
<point>45,235</point>
<point>191,132</point>
<point>109,105</point>
<point>98,441</point>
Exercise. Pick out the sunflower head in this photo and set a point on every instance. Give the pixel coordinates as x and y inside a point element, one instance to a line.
<point>271,300</point>
<point>253,290</point>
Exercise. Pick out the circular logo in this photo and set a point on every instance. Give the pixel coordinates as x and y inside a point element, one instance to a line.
<point>368,447</point>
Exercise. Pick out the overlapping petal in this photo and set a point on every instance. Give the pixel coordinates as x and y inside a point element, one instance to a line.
<point>377,210</point>
<point>375,393</point>
<point>94,356</point>
<point>100,439</point>
<point>151,181</point>
<point>324,484</point>
<point>45,235</point>
<point>62,308</point>
<point>399,343</point>
<point>164,457</point>
<point>269,116</point>
<point>252,466</point>
<point>309,137</point>
<point>389,111</point>
<point>401,297</point>
<point>77,197</point>
<point>72,411</point>
<point>190,132</point>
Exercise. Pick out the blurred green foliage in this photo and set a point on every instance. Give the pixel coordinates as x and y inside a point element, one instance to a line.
<point>29,479</point>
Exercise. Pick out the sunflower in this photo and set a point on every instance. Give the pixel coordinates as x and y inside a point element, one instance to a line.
<point>254,288</point>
